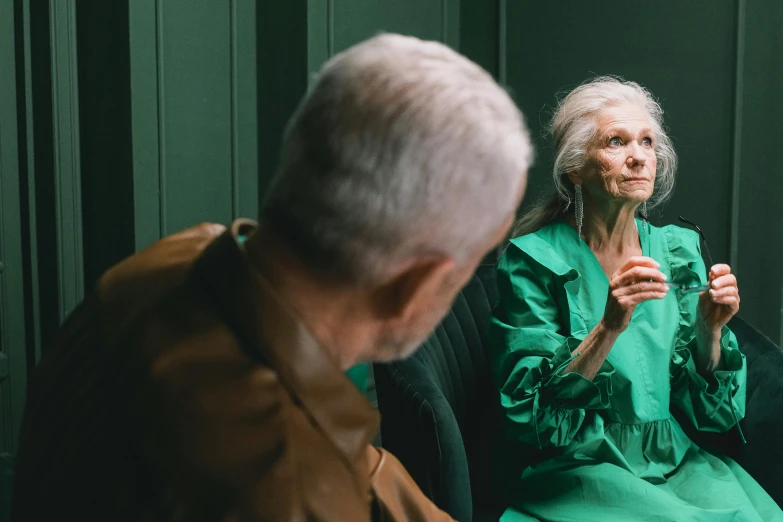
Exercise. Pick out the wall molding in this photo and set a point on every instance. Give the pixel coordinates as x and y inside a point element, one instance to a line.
<point>736,164</point>
<point>13,347</point>
<point>32,215</point>
<point>502,41</point>
<point>320,34</point>
<point>145,100</point>
<point>244,110</point>
<point>450,22</point>
<point>67,154</point>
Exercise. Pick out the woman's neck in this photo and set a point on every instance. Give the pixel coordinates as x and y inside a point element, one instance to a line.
<point>610,230</point>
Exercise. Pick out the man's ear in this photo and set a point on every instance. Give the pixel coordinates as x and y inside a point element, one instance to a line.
<point>412,288</point>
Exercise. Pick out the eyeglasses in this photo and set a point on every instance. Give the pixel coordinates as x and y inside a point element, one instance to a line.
<point>688,289</point>
<point>692,289</point>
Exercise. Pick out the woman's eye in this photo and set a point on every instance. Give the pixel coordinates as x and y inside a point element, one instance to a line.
<point>615,142</point>
<point>647,142</point>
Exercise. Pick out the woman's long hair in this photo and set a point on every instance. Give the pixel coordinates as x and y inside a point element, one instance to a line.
<point>574,127</point>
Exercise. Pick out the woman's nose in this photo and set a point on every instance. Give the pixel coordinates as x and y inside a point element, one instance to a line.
<point>636,155</point>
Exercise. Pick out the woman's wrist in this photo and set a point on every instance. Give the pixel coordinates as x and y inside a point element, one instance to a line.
<point>607,330</point>
<point>708,356</point>
<point>706,333</point>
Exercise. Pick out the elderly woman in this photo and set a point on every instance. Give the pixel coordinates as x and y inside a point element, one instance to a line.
<point>599,331</point>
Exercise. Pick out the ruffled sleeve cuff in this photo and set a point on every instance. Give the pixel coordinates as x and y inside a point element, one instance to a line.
<point>572,389</point>
<point>554,402</point>
<point>716,403</point>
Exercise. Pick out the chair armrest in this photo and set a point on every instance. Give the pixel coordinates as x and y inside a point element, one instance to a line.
<point>762,456</point>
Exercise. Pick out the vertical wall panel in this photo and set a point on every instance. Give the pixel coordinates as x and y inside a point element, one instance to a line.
<point>194,67</point>
<point>503,42</point>
<point>356,20</point>
<point>67,180</point>
<point>320,32</point>
<point>195,128</point>
<point>27,184</point>
<point>739,103</point>
<point>760,221</point>
<point>12,321</point>
<point>244,110</point>
<point>143,37</point>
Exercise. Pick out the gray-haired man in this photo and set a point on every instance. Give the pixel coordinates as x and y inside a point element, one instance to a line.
<point>203,379</point>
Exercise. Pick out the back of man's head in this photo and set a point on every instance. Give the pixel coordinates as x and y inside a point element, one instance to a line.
<point>401,148</point>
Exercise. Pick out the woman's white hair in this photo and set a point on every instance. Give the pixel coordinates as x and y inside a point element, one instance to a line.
<point>401,148</point>
<point>574,127</point>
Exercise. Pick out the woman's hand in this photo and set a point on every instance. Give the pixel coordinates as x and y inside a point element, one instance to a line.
<point>721,302</point>
<point>636,281</point>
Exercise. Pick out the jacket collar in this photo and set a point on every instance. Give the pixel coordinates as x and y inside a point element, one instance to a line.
<point>273,335</point>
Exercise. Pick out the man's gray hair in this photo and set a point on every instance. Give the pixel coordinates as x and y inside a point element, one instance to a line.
<point>401,148</point>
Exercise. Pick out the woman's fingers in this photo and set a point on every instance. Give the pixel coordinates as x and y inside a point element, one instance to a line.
<point>726,300</point>
<point>719,270</point>
<point>732,302</point>
<point>640,288</point>
<point>638,274</point>
<point>727,291</point>
<point>640,297</point>
<point>724,281</point>
<point>641,261</point>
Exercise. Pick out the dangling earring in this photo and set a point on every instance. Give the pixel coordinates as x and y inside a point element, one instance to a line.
<point>644,214</point>
<point>579,208</point>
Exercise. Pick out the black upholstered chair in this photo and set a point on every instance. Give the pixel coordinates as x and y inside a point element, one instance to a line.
<point>6,477</point>
<point>440,410</point>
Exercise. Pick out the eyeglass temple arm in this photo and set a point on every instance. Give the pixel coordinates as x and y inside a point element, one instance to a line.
<point>703,240</point>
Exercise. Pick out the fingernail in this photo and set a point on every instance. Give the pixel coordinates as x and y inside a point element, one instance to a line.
<point>665,277</point>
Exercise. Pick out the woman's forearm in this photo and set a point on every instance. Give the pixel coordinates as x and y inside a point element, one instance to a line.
<point>593,351</point>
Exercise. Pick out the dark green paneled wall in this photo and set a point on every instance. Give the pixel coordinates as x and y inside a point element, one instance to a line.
<point>715,68</point>
<point>548,53</point>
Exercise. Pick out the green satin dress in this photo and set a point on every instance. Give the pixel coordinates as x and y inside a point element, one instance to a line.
<point>615,451</point>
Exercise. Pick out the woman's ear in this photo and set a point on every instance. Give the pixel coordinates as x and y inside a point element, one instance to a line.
<point>575,178</point>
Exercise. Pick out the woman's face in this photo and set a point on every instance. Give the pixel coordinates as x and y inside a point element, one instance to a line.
<point>621,159</point>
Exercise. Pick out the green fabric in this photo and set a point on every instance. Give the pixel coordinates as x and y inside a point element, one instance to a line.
<point>359,374</point>
<point>618,453</point>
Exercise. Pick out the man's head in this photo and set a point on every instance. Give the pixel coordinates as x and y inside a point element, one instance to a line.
<point>401,168</point>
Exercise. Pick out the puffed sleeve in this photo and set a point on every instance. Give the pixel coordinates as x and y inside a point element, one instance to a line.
<point>531,345</point>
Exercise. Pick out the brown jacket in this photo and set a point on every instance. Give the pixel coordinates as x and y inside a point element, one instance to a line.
<point>183,390</point>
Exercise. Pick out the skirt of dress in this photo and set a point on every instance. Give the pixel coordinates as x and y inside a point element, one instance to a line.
<point>693,485</point>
